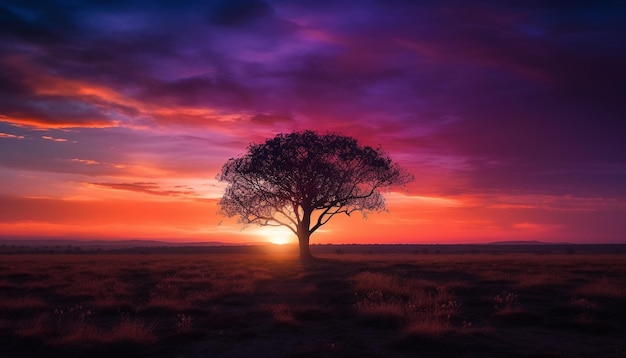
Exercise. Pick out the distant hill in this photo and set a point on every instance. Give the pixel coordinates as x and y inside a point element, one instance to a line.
<point>104,244</point>
<point>527,242</point>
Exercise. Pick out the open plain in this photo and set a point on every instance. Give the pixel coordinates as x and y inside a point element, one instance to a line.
<point>340,305</point>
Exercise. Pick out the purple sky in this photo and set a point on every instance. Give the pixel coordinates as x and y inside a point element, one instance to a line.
<point>515,111</point>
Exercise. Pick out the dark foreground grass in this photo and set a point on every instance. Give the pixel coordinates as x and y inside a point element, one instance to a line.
<point>510,305</point>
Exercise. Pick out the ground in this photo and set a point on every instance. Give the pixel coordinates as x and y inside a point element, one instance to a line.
<point>341,305</point>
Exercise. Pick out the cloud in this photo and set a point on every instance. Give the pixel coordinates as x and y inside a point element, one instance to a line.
<point>239,12</point>
<point>85,161</point>
<point>47,137</point>
<point>54,102</point>
<point>270,119</point>
<point>212,91</point>
<point>148,188</point>
<point>8,135</point>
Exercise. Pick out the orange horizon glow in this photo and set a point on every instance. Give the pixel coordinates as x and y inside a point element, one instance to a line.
<point>411,219</point>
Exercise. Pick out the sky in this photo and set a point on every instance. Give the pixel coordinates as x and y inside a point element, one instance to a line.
<point>116,116</point>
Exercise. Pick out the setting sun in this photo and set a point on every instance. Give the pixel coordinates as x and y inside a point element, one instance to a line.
<point>276,235</point>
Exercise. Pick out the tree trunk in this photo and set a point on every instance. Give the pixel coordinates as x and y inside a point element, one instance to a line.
<point>303,236</point>
<point>303,240</point>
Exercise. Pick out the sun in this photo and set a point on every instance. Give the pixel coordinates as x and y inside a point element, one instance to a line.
<point>276,235</point>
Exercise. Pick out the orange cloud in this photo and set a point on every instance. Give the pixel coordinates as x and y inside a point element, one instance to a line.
<point>53,139</point>
<point>85,161</point>
<point>8,135</point>
<point>84,104</point>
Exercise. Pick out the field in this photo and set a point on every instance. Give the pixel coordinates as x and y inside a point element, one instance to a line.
<point>342,305</point>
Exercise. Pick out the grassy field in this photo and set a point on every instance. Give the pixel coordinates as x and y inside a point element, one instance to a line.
<point>231,305</point>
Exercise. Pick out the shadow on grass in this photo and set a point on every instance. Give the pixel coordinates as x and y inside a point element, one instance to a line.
<point>429,346</point>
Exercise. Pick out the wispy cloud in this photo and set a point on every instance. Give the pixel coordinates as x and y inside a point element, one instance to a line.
<point>85,161</point>
<point>47,137</point>
<point>9,135</point>
<point>150,188</point>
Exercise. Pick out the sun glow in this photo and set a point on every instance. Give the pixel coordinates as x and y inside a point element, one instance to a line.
<point>276,235</point>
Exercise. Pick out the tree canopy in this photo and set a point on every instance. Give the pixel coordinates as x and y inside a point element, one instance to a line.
<point>301,180</point>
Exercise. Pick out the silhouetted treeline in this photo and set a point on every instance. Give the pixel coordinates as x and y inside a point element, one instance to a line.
<point>325,249</point>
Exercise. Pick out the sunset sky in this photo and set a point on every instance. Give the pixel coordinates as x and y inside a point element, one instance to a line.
<point>116,116</point>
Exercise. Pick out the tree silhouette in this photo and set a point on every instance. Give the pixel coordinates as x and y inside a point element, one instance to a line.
<point>301,180</point>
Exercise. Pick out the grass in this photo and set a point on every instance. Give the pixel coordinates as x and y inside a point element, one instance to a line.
<point>231,305</point>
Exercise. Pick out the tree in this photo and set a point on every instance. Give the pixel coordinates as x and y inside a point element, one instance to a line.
<point>301,180</point>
